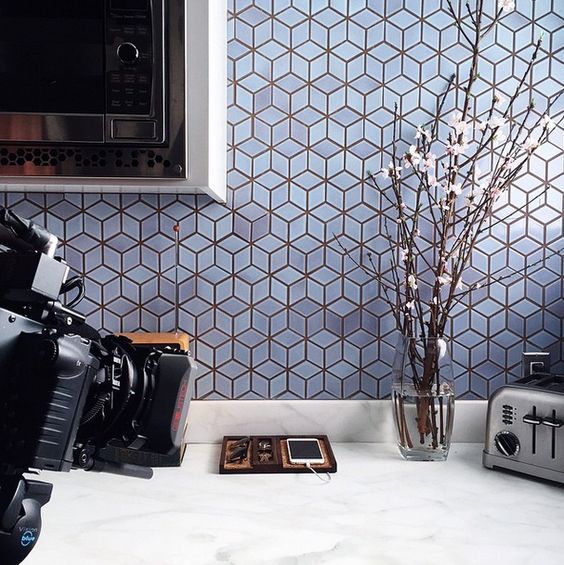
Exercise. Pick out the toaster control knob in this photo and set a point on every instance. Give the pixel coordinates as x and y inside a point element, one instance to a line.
<point>507,443</point>
<point>128,53</point>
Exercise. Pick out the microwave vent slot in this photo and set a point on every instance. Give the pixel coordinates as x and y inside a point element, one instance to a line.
<point>82,157</point>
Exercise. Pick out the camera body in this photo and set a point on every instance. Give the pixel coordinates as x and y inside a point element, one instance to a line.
<point>45,379</point>
<point>55,387</point>
<point>70,398</point>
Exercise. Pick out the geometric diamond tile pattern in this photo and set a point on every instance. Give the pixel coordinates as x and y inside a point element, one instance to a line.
<point>274,308</point>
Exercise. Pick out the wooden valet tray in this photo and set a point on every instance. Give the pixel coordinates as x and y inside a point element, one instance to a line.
<point>278,462</point>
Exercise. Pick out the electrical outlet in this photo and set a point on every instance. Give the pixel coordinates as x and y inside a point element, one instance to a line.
<point>535,362</point>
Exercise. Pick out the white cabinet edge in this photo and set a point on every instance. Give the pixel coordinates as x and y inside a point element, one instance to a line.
<point>207,130</point>
<point>217,97</point>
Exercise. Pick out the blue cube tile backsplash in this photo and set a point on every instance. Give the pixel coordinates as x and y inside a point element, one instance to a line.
<point>274,308</point>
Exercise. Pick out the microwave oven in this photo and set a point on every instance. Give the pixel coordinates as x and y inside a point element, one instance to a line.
<point>93,88</point>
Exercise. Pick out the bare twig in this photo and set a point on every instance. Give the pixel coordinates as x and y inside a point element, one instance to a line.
<point>422,288</point>
<point>369,272</point>
<point>493,279</point>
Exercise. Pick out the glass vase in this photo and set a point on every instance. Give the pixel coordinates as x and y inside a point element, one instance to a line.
<point>423,398</point>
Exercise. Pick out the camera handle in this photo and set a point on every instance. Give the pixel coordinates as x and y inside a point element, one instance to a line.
<point>17,231</point>
<point>21,500</point>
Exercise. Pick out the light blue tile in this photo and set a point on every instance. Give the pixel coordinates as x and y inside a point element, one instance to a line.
<point>280,167</point>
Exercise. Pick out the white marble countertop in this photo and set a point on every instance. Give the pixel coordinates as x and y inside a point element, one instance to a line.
<point>378,509</point>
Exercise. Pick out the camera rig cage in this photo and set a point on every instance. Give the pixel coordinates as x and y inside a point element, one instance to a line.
<point>69,398</point>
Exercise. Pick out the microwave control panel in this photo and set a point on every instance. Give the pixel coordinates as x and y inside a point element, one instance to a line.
<point>129,57</point>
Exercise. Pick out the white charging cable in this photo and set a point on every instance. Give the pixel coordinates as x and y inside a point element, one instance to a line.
<point>327,480</point>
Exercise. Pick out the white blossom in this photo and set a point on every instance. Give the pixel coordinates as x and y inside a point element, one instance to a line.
<point>442,205</point>
<point>547,122</point>
<point>456,149</point>
<point>498,99</point>
<point>443,279</point>
<point>390,170</point>
<point>459,125</point>
<point>410,305</point>
<point>455,118</point>
<point>461,128</point>
<point>432,180</point>
<point>455,188</point>
<point>495,192</point>
<point>422,132</point>
<point>412,282</point>
<point>509,164</point>
<point>499,137</point>
<point>483,125</point>
<point>497,122</point>
<point>403,254</point>
<point>429,161</point>
<point>506,5</point>
<point>529,145</point>
<point>412,157</point>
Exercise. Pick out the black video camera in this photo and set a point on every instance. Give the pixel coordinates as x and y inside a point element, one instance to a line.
<point>69,398</point>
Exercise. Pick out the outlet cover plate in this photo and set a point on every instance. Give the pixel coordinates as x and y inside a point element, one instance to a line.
<point>535,362</point>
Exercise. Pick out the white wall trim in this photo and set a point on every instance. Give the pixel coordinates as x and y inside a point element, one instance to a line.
<point>342,420</point>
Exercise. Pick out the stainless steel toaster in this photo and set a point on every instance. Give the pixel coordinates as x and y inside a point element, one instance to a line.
<point>525,430</point>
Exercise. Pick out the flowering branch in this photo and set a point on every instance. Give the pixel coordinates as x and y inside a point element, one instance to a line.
<point>449,191</point>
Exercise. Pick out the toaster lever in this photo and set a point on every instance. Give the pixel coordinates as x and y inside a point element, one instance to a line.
<point>531,419</point>
<point>552,422</point>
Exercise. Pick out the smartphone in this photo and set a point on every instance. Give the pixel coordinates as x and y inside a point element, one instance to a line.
<point>304,450</point>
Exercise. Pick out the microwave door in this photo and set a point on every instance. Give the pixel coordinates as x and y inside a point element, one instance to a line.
<point>52,67</point>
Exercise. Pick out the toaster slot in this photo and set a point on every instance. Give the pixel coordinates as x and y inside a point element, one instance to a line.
<point>534,432</point>
<point>553,423</point>
<point>554,436</point>
<point>553,447</point>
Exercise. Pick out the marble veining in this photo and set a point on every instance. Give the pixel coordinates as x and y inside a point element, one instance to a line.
<point>342,420</point>
<point>378,509</point>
